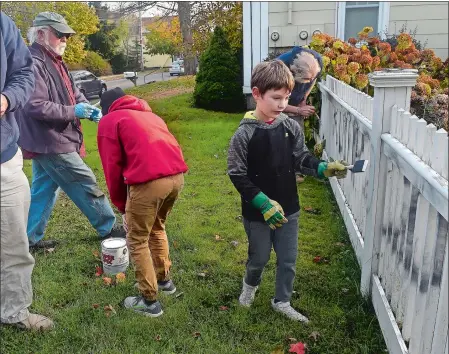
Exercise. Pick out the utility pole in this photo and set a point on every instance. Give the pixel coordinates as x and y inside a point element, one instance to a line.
<point>141,37</point>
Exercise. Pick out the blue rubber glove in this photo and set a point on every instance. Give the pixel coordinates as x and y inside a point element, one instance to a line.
<point>84,110</point>
<point>96,115</point>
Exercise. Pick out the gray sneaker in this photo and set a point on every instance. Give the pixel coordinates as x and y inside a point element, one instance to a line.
<point>140,305</point>
<point>247,296</point>
<point>167,287</point>
<point>289,311</point>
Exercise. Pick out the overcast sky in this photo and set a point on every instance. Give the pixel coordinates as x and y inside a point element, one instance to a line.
<point>148,13</point>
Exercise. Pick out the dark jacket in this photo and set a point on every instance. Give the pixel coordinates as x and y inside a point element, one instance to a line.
<point>264,157</point>
<point>299,91</point>
<point>16,83</point>
<point>47,122</point>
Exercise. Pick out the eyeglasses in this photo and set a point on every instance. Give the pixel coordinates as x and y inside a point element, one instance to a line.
<point>59,35</point>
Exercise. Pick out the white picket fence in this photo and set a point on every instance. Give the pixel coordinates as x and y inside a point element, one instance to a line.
<point>396,213</point>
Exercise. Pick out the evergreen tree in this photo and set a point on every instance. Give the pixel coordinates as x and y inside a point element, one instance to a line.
<point>218,83</point>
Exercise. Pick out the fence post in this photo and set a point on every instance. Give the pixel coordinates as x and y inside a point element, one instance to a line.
<point>391,87</point>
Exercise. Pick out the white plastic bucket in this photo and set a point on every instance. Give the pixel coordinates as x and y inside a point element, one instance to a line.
<point>114,255</point>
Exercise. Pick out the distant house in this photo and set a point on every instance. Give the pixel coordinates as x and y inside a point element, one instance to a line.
<point>276,26</point>
<point>159,60</point>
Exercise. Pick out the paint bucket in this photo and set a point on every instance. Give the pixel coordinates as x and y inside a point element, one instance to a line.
<point>114,254</point>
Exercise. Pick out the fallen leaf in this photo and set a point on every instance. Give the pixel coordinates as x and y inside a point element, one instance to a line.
<point>298,348</point>
<point>217,238</point>
<point>98,271</point>
<point>179,294</point>
<point>291,339</point>
<point>120,277</point>
<point>158,338</point>
<point>317,259</point>
<point>340,244</point>
<point>278,350</point>
<point>196,334</point>
<point>109,310</point>
<point>216,156</point>
<point>96,253</point>
<point>234,243</point>
<point>107,281</point>
<point>239,217</point>
<point>314,335</point>
<point>345,290</point>
<point>95,306</point>
<point>175,244</point>
<point>224,308</point>
<point>49,250</point>
<point>311,210</point>
<point>202,275</point>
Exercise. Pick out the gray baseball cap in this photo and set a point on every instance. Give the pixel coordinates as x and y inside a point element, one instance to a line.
<point>53,20</point>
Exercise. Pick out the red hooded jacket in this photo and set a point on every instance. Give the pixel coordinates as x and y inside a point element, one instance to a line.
<point>135,147</point>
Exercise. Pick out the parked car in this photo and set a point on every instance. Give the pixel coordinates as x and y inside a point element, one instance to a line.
<point>88,83</point>
<point>177,68</point>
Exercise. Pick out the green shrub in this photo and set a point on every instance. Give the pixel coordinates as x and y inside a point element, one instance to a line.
<point>94,63</point>
<point>218,84</point>
<point>118,63</point>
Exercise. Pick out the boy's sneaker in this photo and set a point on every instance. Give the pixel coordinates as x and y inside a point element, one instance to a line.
<point>117,231</point>
<point>145,307</point>
<point>289,311</point>
<point>35,322</point>
<point>247,296</point>
<point>167,287</point>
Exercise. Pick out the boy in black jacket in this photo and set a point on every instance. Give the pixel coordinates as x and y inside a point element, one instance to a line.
<point>264,154</point>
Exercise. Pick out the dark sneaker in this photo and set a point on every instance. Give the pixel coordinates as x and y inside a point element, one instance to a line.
<point>43,244</point>
<point>167,287</point>
<point>145,307</point>
<point>117,231</point>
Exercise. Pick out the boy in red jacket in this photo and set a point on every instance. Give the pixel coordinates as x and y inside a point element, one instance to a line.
<point>144,170</point>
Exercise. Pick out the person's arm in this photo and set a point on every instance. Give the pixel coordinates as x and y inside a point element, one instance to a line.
<point>19,81</point>
<point>238,165</point>
<point>111,158</point>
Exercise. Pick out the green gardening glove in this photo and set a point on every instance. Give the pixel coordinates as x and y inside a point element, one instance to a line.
<point>333,169</point>
<point>271,210</point>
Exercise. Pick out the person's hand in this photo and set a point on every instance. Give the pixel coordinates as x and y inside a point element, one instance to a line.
<point>333,169</point>
<point>4,105</point>
<point>125,224</point>
<point>271,210</point>
<point>84,110</point>
<point>305,111</point>
<point>96,115</point>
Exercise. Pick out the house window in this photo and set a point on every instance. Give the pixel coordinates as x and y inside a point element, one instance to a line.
<point>360,14</point>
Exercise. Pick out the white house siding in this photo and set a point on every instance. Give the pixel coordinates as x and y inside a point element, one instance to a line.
<point>430,18</point>
<point>305,16</point>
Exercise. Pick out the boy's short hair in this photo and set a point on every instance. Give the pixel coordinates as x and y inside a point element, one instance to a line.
<point>273,74</point>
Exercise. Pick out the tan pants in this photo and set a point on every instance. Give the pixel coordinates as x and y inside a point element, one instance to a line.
<point>147,208</point>
<point>16,261</point>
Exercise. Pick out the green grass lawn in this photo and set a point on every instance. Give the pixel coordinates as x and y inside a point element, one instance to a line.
<point>66,288</point>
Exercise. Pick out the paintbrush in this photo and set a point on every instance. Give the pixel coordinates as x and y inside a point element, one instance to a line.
<point>358,166</point>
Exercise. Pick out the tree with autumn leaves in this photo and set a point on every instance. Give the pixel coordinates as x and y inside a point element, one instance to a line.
<point>352,61</point>
<point>79,16</point>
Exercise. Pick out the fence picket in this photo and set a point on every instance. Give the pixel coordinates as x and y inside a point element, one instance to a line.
<point>430,132</point>
<point>421,138</point>
<point>412,133</point>
<point>438,160</point>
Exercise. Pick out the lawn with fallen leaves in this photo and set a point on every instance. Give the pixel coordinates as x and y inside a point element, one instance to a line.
<point>208,249</point>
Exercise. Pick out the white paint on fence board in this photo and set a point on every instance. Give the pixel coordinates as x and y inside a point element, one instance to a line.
<point>430,132</point>
<point>421,138</point>
<point>412,133</point>
<point>390,330</point>
<point>438,160</point>
<point>405,128</point>
<point>435,286</point>
<point>425,268</point>
<point>394,121</point>
<point>430,184</point>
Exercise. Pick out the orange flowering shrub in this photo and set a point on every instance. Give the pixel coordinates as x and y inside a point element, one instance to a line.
<point>352,61</point>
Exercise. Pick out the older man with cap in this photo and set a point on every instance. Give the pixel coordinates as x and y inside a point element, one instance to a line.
<point>305,65</point>
<point>16,84</point>
<point>51,135</point>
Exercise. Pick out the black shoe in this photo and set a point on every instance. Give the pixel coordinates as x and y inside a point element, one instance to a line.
<point>42,244</point>
<point>117,231</point>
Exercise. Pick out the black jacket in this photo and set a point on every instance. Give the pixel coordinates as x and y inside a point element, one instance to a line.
<point>264,157</point>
